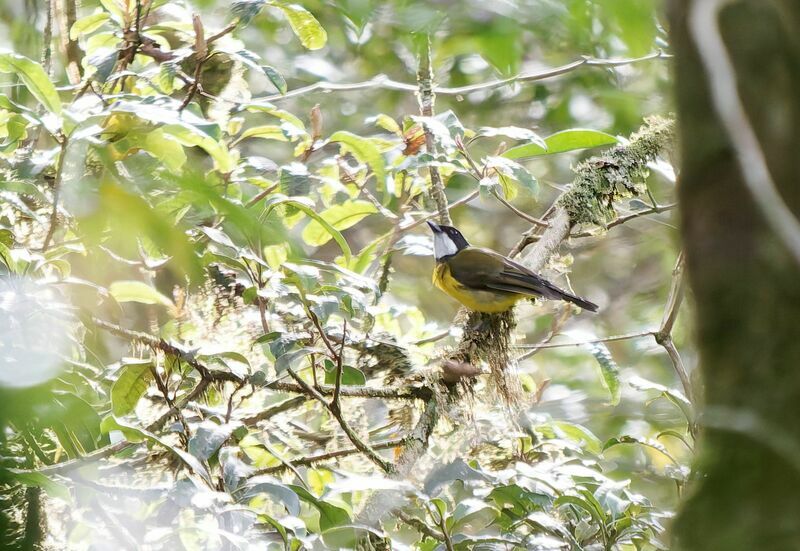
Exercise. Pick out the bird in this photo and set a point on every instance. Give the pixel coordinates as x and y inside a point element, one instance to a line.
<point>486,281</point>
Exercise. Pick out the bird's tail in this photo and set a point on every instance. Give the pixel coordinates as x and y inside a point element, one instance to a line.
<point>578,301</point>
<point>561,294</point>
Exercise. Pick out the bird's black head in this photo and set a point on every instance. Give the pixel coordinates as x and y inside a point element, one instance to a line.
<point>447,240</point>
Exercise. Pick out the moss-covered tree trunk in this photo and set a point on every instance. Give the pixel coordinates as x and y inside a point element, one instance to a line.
<point>746,285</point>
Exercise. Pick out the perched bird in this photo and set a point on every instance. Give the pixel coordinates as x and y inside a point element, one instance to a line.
<point>484,280</point>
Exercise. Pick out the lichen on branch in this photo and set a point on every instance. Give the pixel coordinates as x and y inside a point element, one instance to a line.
<point>618,174</point>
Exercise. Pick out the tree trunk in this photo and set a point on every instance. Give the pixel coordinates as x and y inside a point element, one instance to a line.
<point>746,284</point>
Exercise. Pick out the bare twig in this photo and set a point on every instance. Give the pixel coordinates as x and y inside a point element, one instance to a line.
<point>390,393</point>
<point>57,182</point>
<point>327,456</point>
<point>385,83</point>
<point>167,348</point>
<point>339,368</point>
<point>272,411</point>
<point>427,98</point>
<point>420,526</point>
<point>523,215</point>
<point>656,209</point>
<point>664,335</point>
<point>613,338</point>
<point>362,446</point>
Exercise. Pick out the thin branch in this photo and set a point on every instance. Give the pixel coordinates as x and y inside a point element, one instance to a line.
<point>285,463</point>
<point>327,456</point>
<point>272,411</point>
<point>334,405</point>
<point>201,56</point>
<point>390,393</point>
<point>622,219</point>
<point>362,446</point>
<point>722,79</point>
<point>427,98</point>
<point>431,215</point>
<point>385,83</point>
<point>614,338</point>
<point>523,215</point>
<point>664,335</point>
<point>419,526</point>
<point>62,155</point>
<point>165,347</point>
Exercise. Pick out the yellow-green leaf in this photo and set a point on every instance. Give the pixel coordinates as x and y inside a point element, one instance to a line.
<point>132,383</point>
<point>137,291</point>
<point>34,78</point>
<point>307,206</point>
<point>340,217</point>
<point>266,132</point>
<point>364,150</point>
<point>86,25</point>
<point>304,25</point>
<point>566,140</point>
<point>188,135</point>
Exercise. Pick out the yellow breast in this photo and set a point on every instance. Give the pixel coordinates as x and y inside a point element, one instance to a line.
<point>481,301</point>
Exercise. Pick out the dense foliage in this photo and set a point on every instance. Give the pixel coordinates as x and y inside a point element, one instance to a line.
<point>218,325</point>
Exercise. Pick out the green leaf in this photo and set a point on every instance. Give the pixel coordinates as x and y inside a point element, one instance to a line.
<point>580,434</point>
<point>275,78</point>
<point>189,460</point>
<point>209,437</point>
<point>137,291</point>
<point>609,370</point>
<point>364,150</point>
<point>307,207</point>
<point>131,384</point>
<point>509,170</point>
<point>339,217</point>
<point>646,442</point>
<point>271,486</point>
<point>474,514</point>
<point>32,478</point>
<point>566,140</point>
<point>88,24</point>
<point>580,503</point>
<point>330,516</point>
<point>266,132</point>
<point>311,34</point>
<point>350,536</point>
<point>189,135</point>
<point>34,78</point>
<point>350,376</point>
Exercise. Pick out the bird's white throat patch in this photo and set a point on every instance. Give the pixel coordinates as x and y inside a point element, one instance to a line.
<point>443,246</point>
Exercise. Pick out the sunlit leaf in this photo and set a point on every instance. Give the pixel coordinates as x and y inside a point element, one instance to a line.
<point>275,78</point>
<point>304,25</point>
<point>363,150</point>
<point>87,25</point>
<point>330,516</point>
<point>132,382</point>
<point>209,437</point>
<point>34,77</point>
<point>566,140</point>
<point>350,376</point>
<point>609,370</point>
<point>325,225</point>
<point>137,291</point>
<point>339,217</point>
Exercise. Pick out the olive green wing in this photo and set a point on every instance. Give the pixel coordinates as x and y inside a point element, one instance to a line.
<point>484,269</point>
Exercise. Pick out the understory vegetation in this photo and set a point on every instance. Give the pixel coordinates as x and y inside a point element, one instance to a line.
<point>218,327</point>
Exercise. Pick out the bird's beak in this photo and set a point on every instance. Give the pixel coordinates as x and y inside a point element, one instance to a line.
<point>434,227</point>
